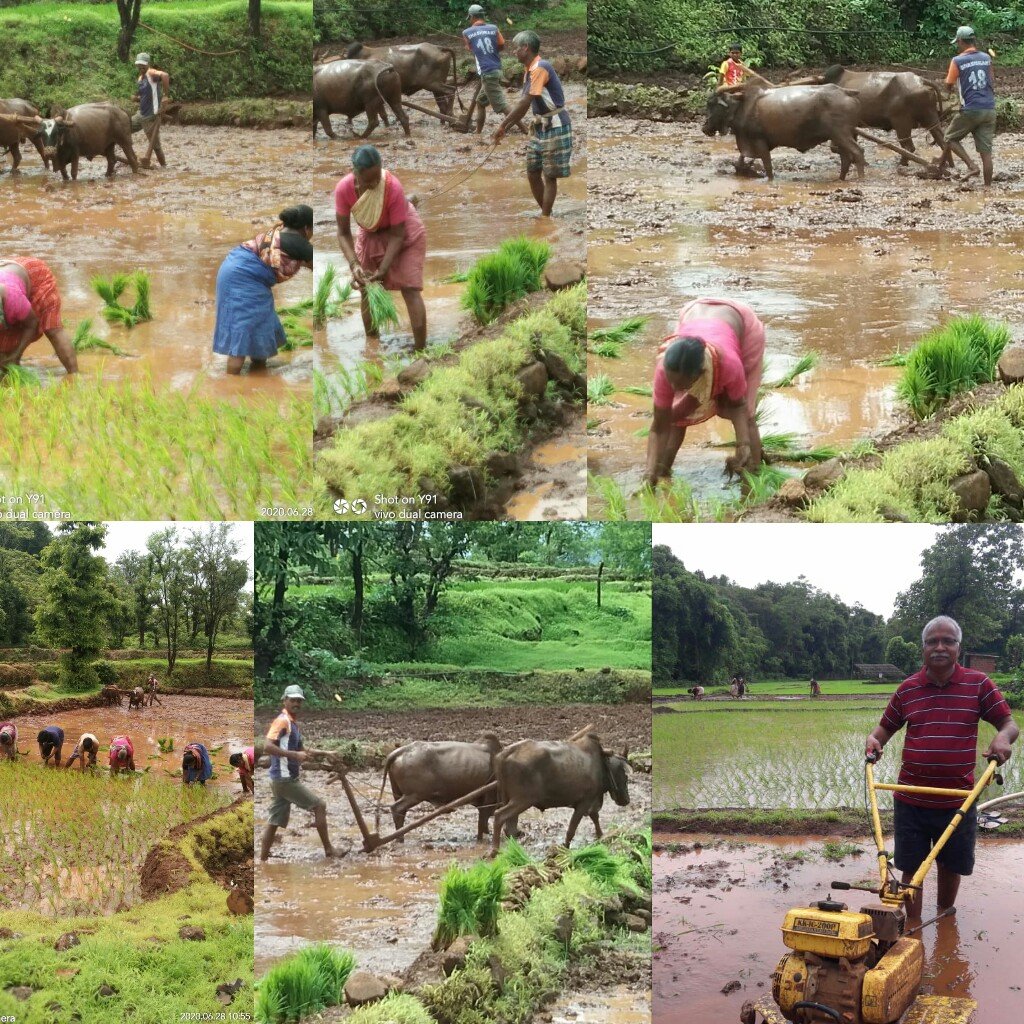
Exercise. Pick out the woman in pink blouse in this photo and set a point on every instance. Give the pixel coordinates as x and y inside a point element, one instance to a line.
<point>390,243</point>
<point>710,367</point>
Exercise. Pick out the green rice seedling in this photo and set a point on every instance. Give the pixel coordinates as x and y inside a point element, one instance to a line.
<point>297,333</point>
<point>110,291</point>
<point>600,389</point>
<point>329,297</point>
<point>142,309</point>
<point>606,349</point>
<point>166,744</point>
<point>381,304</point>
<point>19,377</point>
<point>620,333</point>
<point>896,359</point>
<point>804,364</point>
<point>512,855</point>
<point>394,1008</point>
<point>503,277</point>
<point>643,390</point>
<point>532,253</point>
<point>609,870</point>
<point>459,277</point>
<point>456,914</point>
<point>642,431</point>
<point>949,360</point>
<point>612,496</point>
<point>84,340</point>
<point>761,485</point>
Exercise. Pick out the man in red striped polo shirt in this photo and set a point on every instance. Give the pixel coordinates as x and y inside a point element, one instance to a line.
<point>940,706</point>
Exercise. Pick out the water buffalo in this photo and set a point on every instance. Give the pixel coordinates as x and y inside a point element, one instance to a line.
<point>112,695</point>
<point>566,773</point>
<point>439,773</point>
<point>420,66</point>
<point>12,135</point>
<point>88,130</point>
<point>897,101</point>
<point>137,698</point>
<point>352,87</point>
<point>797,116</point>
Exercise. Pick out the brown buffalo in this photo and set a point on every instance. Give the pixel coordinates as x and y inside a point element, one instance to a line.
<point>12,134</point>
<point>568,773</point>
<point>420,66</point>
<point>439,773</point>
<point>88,130</point>
<point>353,87</point>
<point>137,698</point>
<point>112,695</point>
<point>796,116</point>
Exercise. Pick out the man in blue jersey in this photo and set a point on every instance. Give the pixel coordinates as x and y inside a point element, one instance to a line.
<point>549,148</point>
<point>970,71</point>
<point>150,92</point>
<point>485,42</point>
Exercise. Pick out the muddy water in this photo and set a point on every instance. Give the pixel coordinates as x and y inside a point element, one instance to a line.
<point>464,219</point>
<point>853,281</point>
<point>618,1005</point>
<point>212,721</point>
<point>719,910</point>
<point>382,906</point>
<point>554,485</point>
<point>222,185</point>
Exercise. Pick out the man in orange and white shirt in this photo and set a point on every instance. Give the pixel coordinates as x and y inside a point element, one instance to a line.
<point>549,148</point>
<point>733,70</point>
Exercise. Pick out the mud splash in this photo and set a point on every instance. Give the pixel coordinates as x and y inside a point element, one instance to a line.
<point>854,272</point>
<point>719,909</point>
<point>222,185</point>
<point>213,721</point>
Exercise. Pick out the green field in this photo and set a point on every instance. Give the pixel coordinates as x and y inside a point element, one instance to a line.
<point>780,757</point>
<point>794,686</point>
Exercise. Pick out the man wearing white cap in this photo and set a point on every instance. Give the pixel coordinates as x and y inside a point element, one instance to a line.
<point>485,42</point>
<point>970,71</point>
<point>151,90</point>
<point>284,745</point>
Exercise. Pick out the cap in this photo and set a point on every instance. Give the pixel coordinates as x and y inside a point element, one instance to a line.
<point>475,11</point>
<point>142,58</point>
<point>293,693</point>
<point>963,32</point>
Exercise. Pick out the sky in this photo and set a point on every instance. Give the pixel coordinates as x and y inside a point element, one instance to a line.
<point>860,563</point>
<point>130,536</point>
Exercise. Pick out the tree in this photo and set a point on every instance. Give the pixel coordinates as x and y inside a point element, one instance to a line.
<point>74,601</point>
<point>903,654</point>
<point>135,570</point>
<point>220,577</point>
<point>626,546</point>
<point>1015,652</point>
<point>171,583</point>
<point>128,11</point>
<point>254,18</point>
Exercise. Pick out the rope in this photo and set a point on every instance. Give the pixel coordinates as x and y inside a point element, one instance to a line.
<point>186,46</point>
<point>440,191</point>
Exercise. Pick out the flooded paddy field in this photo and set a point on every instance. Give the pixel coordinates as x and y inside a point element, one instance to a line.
<point>719,907</point>
<point>471,196</point>
<point>789,756</point>
<point>383,906</point>
<point>222,725</point>
<point>853,271</point>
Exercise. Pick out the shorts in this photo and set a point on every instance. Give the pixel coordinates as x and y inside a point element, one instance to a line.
<point>980,124</point>
<point>917,829</point>
<point>492,92</point>
<point>550,151</point>
<point>287,792</point>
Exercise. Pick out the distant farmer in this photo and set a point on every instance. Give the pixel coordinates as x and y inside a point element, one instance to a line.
<point>284,745</point>
<point>151,88</point>
<point>485,42</point>
<point>30,308</point>
<point>710,366</point>
<point>970,71</point>
<point>50,741</point>
<point>152,683</point>
<point>815,688</point>
<point>245,762</point>
<point>734,688</point>
<point>247,325</point>
<point>86,749</point>
<point>196,765</point>
<point>8,741</point>
<point>390,242</point>
<point>733,70</point>
<point>743,684</point>
<point>121,755</point>
<point>549,149</point>
<point>696,692</point>
<point>940,706</point>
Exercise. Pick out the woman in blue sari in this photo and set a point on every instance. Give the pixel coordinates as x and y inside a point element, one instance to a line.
<point>248,326</point>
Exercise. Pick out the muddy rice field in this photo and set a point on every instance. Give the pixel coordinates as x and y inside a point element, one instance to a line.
<point>383,906</point>
<point>221,186</point>
<point>853,271</point>
<point>719,907</point>
<point>467,213</point>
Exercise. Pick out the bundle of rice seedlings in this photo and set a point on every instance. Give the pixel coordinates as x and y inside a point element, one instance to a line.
<point>761,485</point>
<point>606,349</point>
<point>110,291</point>
<point>84,340</point>
<point>459,277</point>
<point>141,310</point>
<point>644,390</point>
<point>296,330</point>
<point>470,902</point>
<point>383,312</point>
<point>503,277</point>
<point>513,855</point>
<point>600,389</point>
<point>804,364</point>
<point>329,296</point>
<point>18,376</point>
<point>610,871</point>
<point>531,253</point>
<point>302,984</point>
<point>620,333</point>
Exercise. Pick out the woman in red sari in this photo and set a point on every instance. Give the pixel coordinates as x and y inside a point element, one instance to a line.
<point>30,308</point>
<point>390,243</point>
<point>710,367</point>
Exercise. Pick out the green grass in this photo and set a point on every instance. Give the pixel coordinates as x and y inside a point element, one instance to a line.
<point>951,359</point>
<point>52,37</point>
<point>302,984</point>
<point>113,450</point>
<point>505,276</point>
<point>780,757</point>
<point>459,415</point>
<point>786,687</point>
<point>913,479</point>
